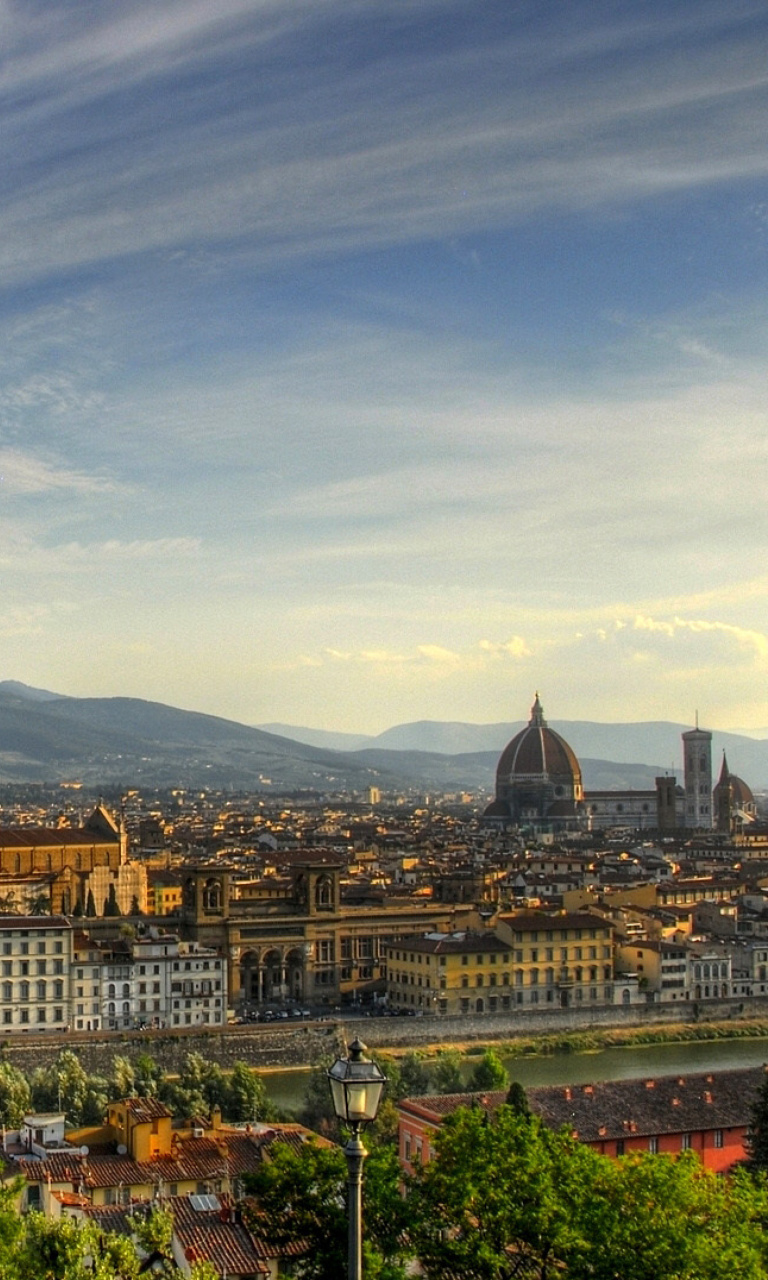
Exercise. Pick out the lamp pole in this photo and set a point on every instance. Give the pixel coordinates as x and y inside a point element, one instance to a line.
<point>355,1153</point>
<point>356,1087</point>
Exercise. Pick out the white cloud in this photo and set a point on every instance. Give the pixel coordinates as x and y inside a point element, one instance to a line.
<point>24,473</point>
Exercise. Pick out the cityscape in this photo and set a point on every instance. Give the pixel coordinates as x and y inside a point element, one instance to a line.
<point>383,697</point>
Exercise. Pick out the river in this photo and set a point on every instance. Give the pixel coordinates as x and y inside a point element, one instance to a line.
<point>286,1088</point>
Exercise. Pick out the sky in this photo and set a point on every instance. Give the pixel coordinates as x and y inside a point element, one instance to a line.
<point>372,362</point>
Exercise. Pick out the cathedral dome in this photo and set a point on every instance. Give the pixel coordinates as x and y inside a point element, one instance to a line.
<point>538,780</point>
<point>538,752</point>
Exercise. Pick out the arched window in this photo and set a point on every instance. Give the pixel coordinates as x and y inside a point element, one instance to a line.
<point>212,895</point>
<point>111,991</point>
<point>126,1007</point>
<point>324,893</point>
<point>126,990</point>
<point>111,1010</point>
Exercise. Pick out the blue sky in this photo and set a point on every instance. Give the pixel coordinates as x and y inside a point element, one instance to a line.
<point>370,362</point>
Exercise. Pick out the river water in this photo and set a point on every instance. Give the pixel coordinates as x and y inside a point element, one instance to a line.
<point>286,1088</point>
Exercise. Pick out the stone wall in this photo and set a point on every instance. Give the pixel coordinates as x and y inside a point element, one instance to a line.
<point>259,1046</point>
<point>290,1045</point>
<point>401,1032</point>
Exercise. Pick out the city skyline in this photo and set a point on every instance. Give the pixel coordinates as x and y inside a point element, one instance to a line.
<point>370,363</point>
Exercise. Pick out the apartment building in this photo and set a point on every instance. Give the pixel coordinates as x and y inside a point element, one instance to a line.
<point>438,973</point>
<point>35,967</point>
<point>562,958</point>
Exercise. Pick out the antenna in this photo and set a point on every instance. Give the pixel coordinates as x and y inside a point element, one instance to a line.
<point>697,717</point>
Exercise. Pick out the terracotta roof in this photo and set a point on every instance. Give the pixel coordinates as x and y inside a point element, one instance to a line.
<point>524,921</point>
<point>192,1159</point>
<point>34,922</point>
<point>218,1236</point>
<point>53,837</point>
<point>469,942</point>
<point>145,1109</point>
<point>615,1109</point>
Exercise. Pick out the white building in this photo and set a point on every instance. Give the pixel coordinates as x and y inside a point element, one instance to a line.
<point>35,964</point>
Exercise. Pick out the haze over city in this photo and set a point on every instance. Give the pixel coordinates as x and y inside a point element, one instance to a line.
<point>364,363</point>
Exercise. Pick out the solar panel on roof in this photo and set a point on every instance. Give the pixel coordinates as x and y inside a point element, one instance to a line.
<point>205,1204</point>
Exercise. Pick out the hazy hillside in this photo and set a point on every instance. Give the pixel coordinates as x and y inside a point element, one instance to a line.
<point>654,743</point>
<point>125,741</point>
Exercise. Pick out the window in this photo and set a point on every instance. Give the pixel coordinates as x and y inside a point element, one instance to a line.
<point>653,1146</point>
<point>685,1141</point>
<point>619,1146</point>
<point>718,1138</point>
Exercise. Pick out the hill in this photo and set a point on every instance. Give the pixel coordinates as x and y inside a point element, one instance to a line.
<point>45,737</point>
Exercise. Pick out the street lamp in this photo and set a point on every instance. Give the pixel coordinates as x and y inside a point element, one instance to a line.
<point>356,1087</point>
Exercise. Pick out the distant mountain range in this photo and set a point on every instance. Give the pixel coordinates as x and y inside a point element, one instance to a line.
<point>46,737</point>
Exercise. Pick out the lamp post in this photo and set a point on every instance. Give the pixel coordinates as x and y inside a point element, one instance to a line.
<point>356,1087</point>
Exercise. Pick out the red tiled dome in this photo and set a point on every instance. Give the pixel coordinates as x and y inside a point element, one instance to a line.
<point>536,752</point>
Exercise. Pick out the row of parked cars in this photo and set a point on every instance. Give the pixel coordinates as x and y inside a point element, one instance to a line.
<point>271,1015</point>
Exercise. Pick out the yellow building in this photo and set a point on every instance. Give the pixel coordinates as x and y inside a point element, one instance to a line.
<point>559,958</point>
<point>449,973</point>
<point>527,959</point>
<point>163,893</point>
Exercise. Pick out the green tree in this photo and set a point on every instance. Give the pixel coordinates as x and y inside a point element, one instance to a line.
<point>317,1110</point>
<point>148,1076</point>
<point>201,1085</point>
<point>757,1132</point>
<point>414,1076</point>
<point>490,1073</point>
<point>502,1198</point>
<point>111,905</point>
<point>517,1099</point>
<point>122,1079</point>
<point>446,1073</point>
<point>15,1096</point>
<point>655,1218</point>
<point>90,905</point>
<point>245,1095</point>
<point>300,1196</point>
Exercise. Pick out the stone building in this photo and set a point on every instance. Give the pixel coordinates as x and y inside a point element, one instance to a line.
<point>294,937</point>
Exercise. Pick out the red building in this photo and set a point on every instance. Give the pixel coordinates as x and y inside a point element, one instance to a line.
<point>708,1114</point>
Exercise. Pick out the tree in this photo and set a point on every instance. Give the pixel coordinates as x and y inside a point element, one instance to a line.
<point>414,1076</point>
<point>517,1099</point>
<point>111,905</point>
<point>201,1085</point>
<point>300,1197</point>
<point>501,1198</point>
<point>490,1073</point>
<point>122,1081</point>
<point>446,1073</point>
<point>15,1096</point>
<point>90,905</point>
<point>135,908</point>
<point>148,1076</point>
<point>757,1131</point>
<point>245,1096</point>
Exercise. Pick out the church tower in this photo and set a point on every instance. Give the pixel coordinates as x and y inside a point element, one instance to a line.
<point>697,771</point>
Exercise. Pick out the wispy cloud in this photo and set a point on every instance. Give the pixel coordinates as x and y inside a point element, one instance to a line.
<point>313,155</point>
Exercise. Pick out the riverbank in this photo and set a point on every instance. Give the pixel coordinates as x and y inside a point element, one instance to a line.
<point>590,1041</point>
